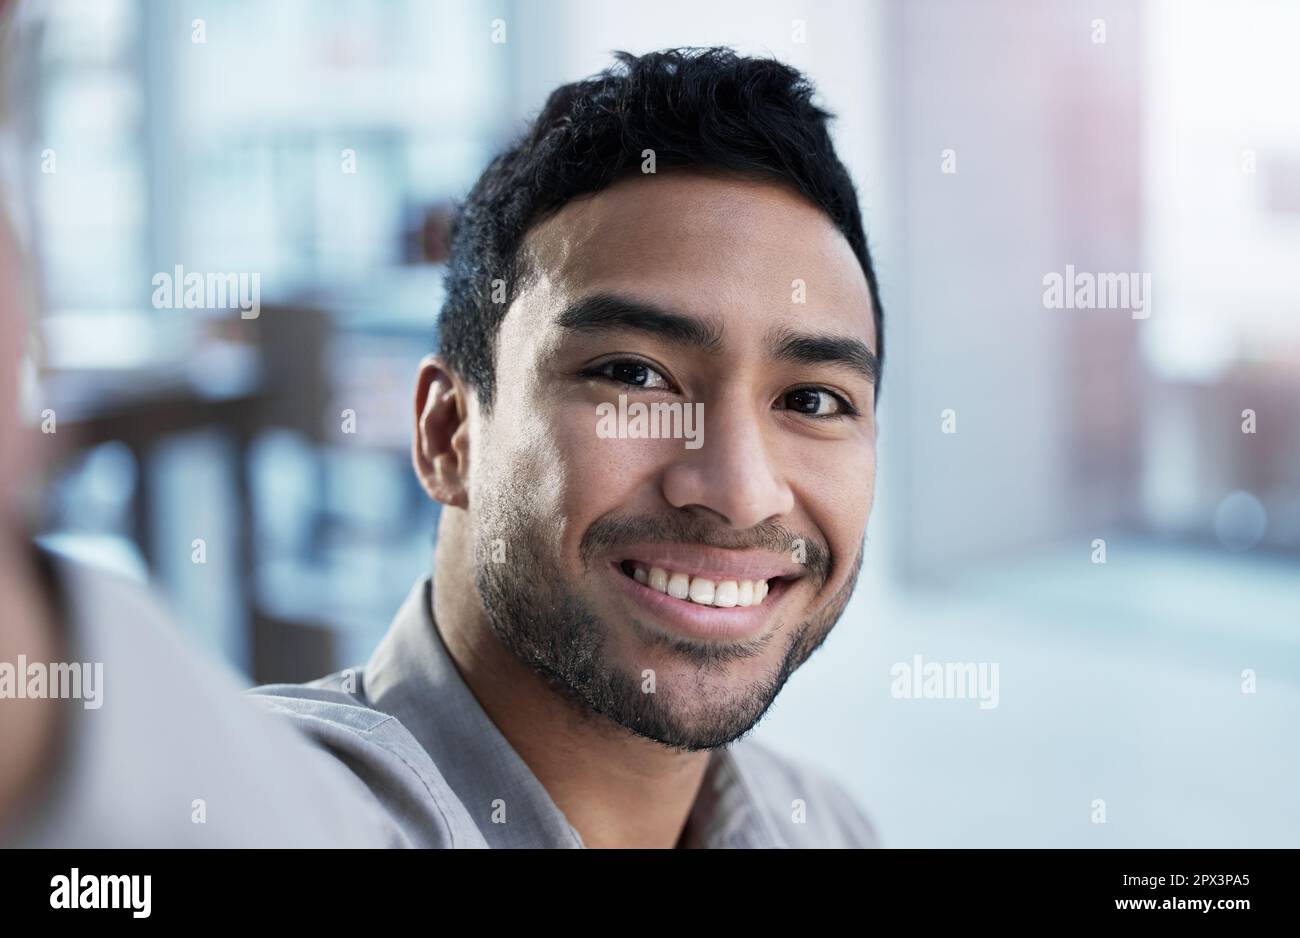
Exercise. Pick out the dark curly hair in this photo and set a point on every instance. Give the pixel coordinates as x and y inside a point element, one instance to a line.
<point>708,108</point>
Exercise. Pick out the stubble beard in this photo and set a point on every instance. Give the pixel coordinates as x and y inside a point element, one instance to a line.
<point>550,627</point>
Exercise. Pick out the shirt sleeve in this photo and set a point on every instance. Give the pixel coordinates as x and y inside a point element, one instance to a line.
<point>172,754</point>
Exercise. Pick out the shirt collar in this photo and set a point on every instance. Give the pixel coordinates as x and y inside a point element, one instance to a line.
<point>412,676</point>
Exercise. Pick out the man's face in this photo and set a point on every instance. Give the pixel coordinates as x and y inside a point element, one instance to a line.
<point>733,299</point>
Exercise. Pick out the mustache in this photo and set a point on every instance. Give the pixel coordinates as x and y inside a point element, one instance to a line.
<point>609,533</point>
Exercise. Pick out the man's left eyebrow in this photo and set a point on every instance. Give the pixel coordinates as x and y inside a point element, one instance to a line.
<point>817,349</point>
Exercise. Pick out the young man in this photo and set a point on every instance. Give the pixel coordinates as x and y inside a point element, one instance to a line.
<point>651,429</point>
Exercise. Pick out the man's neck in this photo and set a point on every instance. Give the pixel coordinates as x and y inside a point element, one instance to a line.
<point>615,788</point>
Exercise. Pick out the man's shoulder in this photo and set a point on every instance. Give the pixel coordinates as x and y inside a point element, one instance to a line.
<point>336,716</point>
<point>330,699</point>
<point>808,806</point>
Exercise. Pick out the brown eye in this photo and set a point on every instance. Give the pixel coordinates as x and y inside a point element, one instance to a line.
<point>632,373</point>
<point>816,402</point>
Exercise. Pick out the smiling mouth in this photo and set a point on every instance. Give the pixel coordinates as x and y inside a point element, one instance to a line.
<point>702,591</point>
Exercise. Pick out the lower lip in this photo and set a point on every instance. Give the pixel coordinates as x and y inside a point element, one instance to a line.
<point>698,621</point>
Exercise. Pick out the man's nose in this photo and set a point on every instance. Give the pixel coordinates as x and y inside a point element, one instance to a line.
<point>733,474</point>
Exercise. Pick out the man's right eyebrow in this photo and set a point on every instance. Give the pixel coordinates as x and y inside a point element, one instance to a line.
<point>609,311</point>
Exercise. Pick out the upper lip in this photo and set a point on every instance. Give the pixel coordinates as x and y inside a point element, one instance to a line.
<point>711,563</point>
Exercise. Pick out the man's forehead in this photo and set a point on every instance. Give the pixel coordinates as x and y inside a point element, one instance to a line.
<point>652,214</point>
<point>716,247</point>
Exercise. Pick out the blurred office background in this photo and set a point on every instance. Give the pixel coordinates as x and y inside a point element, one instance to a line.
<point>1159,137</point>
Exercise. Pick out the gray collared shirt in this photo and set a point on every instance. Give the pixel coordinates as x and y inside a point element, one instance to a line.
<point>411,729</point>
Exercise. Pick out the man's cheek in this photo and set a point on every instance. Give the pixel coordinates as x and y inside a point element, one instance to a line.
<point>602,465</point>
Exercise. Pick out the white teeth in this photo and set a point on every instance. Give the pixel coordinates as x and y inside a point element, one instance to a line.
<point>725,594</point>
<point>701,591</point>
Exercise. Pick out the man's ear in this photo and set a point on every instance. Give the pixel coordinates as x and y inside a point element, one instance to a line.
<point>440,448</point>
